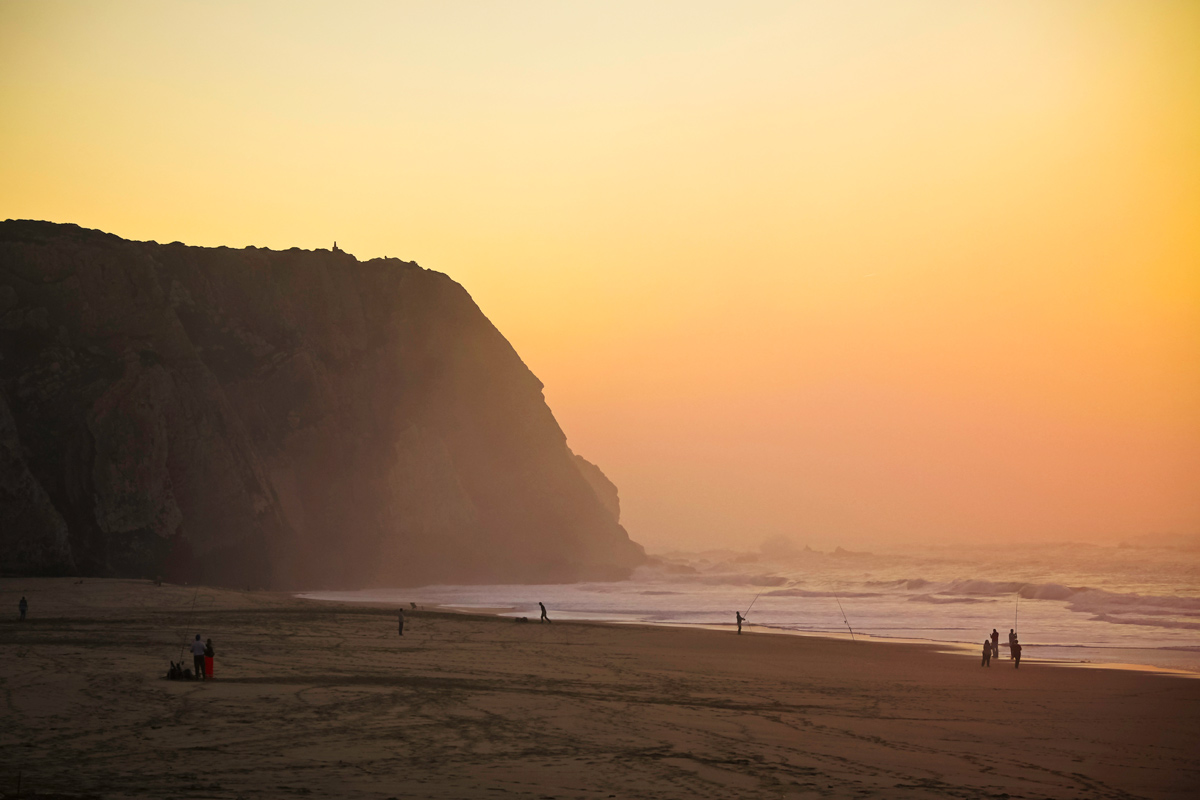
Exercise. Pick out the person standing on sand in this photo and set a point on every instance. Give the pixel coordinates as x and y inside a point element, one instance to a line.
<point>1016,648</point>
<point>23,606</point>
<point>739,620</point>
<point>209,655</point>
<point>544,617</point>
<point>198,657</point>
<point>1012,640</point>
<point>987,653</point>
<point>402,622</point>
<point>995,643</point>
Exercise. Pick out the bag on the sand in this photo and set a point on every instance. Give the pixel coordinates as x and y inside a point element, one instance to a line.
<point>175,673</point>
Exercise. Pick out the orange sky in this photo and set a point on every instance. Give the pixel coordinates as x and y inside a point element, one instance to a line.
<point>848,272</point>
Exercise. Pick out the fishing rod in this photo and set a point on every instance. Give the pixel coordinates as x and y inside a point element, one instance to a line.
<point>844,619</point>
<point>1016,610</point>
<point>752,602</point>
<point>191,616</point>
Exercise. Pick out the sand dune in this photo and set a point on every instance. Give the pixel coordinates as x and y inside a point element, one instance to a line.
<point>324,700</point>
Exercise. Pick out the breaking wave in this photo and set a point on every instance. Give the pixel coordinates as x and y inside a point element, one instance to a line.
<point>1123,607</point>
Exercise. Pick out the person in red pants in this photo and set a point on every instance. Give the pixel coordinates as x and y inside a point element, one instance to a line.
<point>208,658</point>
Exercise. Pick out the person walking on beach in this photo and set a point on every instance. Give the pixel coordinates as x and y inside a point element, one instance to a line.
<point>740,618</point>
<point>1016,649</point>
<point>1012,640</point>
<point>209,655</point>
<point>995,643</point>
<point>402,622</point>
<point>987,653</point>
<point>198,657</point>
<point>544,617</point>
<point>23,606</point>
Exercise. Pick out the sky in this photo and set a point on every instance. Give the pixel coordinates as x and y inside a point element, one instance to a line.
<point>853,274</point>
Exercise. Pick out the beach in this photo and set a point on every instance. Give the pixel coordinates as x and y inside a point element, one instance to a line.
<point>321,699</point>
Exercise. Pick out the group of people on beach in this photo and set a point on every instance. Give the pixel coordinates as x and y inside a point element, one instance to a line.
<point>991,647</point>
<point>202,661</point>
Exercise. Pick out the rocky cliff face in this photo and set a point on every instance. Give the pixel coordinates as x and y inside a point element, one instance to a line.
<point>294,418</point>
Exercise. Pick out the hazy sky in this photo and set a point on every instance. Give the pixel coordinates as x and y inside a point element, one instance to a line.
<point>847,272</point>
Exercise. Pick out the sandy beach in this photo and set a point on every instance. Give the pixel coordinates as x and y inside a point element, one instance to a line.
<point>314,699</point>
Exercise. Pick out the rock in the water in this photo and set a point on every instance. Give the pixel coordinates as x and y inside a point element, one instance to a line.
<point>295,418</point>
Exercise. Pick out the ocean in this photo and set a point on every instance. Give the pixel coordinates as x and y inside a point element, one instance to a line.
<point>1067,602</point>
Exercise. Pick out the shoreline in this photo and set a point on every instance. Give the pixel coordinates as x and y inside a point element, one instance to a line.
<point>952,648</point>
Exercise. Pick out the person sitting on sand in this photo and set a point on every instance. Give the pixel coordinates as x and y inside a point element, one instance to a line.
<point>544,617</point>
<point>23,606</point>
<point>1016,649</point>
<point>198,656</point>
<point>402,622</point>
<point>739,620</point>
<point>995,643</point>
<point>987,653</point>
<point>209,655</point>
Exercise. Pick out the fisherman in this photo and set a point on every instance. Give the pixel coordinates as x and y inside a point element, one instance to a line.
<point>23,606</point>
<point>1012,640</point>
<point>995,643</point>
<point>1016,648</point>
<point>544,617</point>
<point>739,620</point>
<point>402,622</point>
<point>987,653</point>
<point>198,656</point>
<point>209,655</point>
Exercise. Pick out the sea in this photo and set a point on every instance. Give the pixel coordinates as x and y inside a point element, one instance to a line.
<point>1068,603</point>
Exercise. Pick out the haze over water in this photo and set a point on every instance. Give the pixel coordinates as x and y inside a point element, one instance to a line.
<point>1069,602</point>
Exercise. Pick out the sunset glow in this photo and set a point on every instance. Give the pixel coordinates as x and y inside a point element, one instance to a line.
<point>850,273</point>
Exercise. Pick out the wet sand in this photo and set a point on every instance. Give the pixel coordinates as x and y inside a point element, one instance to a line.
<point>315,699</point>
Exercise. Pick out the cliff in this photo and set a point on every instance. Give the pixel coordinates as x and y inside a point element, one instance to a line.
<point>296,418</point>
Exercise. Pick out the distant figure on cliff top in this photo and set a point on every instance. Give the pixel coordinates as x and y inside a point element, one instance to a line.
<point>995,643</point>
<point>1016,649</point>
<point>1012,640</point>
<point>23,606</point>
<point>544,617</point>
<point>198,657</point>
<point>987,653</point>
<point>402,622</point>
<point>739,620</point>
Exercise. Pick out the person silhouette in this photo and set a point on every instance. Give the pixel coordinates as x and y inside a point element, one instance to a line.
<point>198,657</point>
<point>739,620</point>
<point>402,622</point>
<point>544,617</point>
<point>209,655</point>
<point>1012,640</point>
<point>23,606</point>
<point>995,643</point>
<point>987,653</point>
<point>1016,648</point>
